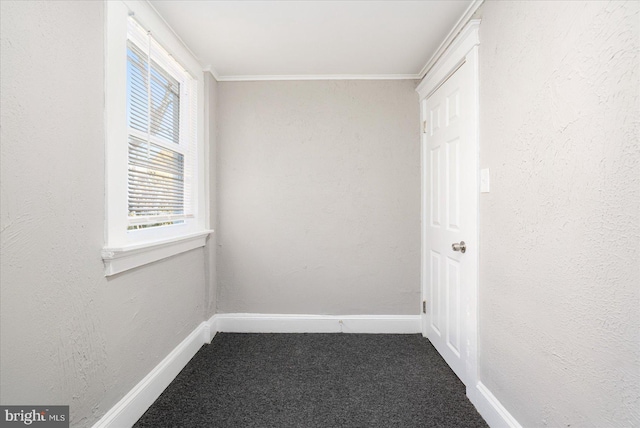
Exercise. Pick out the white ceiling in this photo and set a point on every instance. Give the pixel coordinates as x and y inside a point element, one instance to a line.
<point>247,40</point>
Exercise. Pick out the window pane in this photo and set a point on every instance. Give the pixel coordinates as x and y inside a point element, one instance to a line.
<point>156,180</point>
<point>165,105</point>
<point>137,88</point>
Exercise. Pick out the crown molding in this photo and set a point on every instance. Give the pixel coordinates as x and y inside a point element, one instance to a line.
<point>209,68</point>
<point>251,78</point>
<point>466,17</point>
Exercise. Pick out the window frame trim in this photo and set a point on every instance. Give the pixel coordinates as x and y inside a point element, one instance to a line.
<point>119,260</point>
<point>124,249</point>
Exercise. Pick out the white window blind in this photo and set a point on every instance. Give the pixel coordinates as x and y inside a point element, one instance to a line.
<point>161,119</point>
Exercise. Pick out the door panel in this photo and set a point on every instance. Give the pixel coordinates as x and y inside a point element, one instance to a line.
<point>434,298</point>
<point>450,183</point>
<point>435,187</point>
<point>453,185</point>
<point>453,304</point>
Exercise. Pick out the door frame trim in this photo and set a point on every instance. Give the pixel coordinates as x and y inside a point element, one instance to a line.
<point>462,45</point>
<point>463,49</point>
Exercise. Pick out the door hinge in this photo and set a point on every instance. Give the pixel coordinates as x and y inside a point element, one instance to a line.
<point>424,127</point>
<point>424,306</point>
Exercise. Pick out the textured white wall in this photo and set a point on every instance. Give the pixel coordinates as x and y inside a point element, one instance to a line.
<point>67,334</point>
<point>560,268</point>
<point>319,197</point>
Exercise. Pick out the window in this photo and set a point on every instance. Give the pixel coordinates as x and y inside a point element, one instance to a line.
<point>161,138</point>
<point>155,169</point>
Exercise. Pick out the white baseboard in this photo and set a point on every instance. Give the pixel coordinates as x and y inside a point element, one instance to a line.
<point>490,408</point>
<point>276,323</point>
<point>133,405</point>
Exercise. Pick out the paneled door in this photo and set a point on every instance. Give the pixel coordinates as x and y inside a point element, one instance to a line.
<point>449,155</point>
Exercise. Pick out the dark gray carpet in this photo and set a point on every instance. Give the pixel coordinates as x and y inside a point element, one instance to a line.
<point>314,380</point>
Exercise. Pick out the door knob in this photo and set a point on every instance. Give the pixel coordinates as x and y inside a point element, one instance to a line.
<point>462,247</point>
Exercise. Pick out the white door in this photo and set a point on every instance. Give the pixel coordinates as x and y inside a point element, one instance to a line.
<point>449,154</point>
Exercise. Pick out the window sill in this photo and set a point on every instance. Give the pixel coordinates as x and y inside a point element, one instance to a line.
<point>120,259</point>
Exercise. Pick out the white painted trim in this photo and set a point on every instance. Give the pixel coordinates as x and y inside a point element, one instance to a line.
<point>466,17</point>
<point>450,59</point>
<point>472,300</point>
<point>490,408</point>
<point>463,51</point>
<point>424,209</point>
<point>319,77</point>
<point>212,329</point>
<point>133,405</point>
<point>214,73</point>
<point>120,259</point>
<point>280,323</point>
